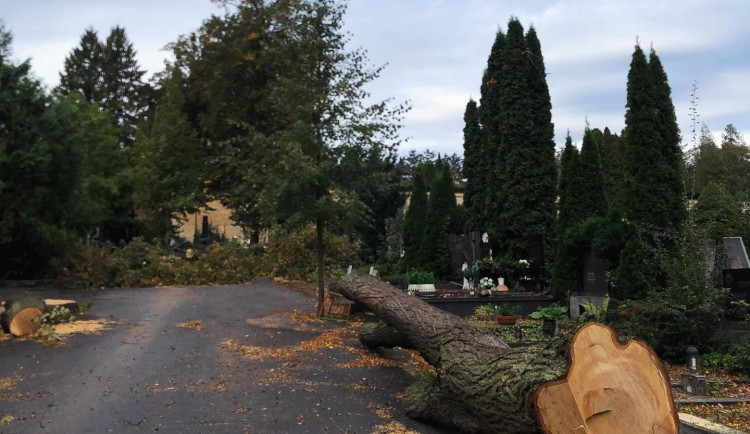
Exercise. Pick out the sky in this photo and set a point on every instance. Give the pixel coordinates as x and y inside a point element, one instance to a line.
<point>436,51</point>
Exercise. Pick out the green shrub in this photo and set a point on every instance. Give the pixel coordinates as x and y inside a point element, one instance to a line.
<point>734,357</point>
<point>142,264</point>
<point>554,312</point>
<point>293,255</point>
<point>687,310</point>
<point>421,277</point>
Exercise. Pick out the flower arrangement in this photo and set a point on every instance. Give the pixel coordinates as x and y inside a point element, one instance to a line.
<point>486,283</point>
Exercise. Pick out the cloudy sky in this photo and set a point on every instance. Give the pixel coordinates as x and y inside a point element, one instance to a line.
<point>436,51</point>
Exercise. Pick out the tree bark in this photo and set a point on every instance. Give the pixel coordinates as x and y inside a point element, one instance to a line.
<point>483,385</point>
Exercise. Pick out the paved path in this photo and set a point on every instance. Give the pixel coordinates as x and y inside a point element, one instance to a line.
<point>148,374</point>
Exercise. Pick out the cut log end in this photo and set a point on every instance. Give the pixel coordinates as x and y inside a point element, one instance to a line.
<point>610,388</point>
<point>23,324</point>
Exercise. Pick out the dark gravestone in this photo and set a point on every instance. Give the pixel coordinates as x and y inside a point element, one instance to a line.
<point>594,275</point>
<point>457,244</point>
<point>738,280</point>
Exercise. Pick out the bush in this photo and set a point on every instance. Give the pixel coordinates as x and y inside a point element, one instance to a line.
<point>687,311</point>
<point>421,277</point>
<point>734,357</point>
<point>141,264</point>
<point>293,255</point>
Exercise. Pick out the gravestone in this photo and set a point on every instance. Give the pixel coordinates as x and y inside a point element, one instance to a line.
<point>736,253</point>
<point>457,245</point>
<point>594,275</point>
<point>738,279</point>
<point>578,300</point>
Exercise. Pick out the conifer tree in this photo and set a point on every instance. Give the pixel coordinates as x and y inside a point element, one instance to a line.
<point>565,270</point>
<point>83,69</point>
<point>434,249</point>
<point>123,92</point>
<point>594,201</point>
<point>414,221</point>
<point>488,157</point>
<point>473,191</point>
<point>525,173</point>
<point>654,193</point>
<point>611,150</point>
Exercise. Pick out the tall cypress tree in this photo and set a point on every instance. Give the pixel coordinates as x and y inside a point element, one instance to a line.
<point>612,150</point>
<point>435,252</point>
<point>654,201</point>
<point>566,267</point>
<point>473,191</point>
<point>414,220</point>
<point>525,175</point>
<point>594,198</point>
<point>489,110</point>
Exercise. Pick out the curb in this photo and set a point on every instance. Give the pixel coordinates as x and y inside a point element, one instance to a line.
<point>690,424</point>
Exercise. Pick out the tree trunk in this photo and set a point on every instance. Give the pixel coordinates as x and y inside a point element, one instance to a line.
<point>320,250</point>
<point>483,385</point>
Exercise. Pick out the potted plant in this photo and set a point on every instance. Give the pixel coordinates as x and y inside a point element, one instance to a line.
<point>421,281</point>
<point>550,316</point>
<point>506,314</point>
<point>484,312</point>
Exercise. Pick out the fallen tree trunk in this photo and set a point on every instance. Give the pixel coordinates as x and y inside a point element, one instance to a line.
<point>483,385</point>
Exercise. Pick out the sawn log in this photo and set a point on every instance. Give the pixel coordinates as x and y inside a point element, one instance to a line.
<point>592,384</point>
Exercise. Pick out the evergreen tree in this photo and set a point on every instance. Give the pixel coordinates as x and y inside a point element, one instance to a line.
<point>434,249</point>
<point>611,150</point>
<point>525,174</point>
<point>169,178</point>
<point>488,156</point>
<point>566,267</point>
<point>123,93</point>
<point>594,198</point>
<point>473,191</point>
<point>655,199</point>
<point>414,221</point>
<point>82,72</point>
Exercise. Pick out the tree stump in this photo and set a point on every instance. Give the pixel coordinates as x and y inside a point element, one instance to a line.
<point>19,315</point>
<point>484,386</point>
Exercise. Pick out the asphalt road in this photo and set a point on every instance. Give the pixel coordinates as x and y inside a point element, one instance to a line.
<point>148,373</point>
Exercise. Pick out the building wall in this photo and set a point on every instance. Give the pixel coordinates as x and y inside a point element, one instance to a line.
<point>219,217</point>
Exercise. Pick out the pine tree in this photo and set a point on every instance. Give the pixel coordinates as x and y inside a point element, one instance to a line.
<point>82,72</point>
<point>414,221</point>
<point>123,93</point>
<point>473,191</point>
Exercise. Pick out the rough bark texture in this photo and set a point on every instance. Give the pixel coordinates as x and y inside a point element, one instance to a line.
<point>484,386</point>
